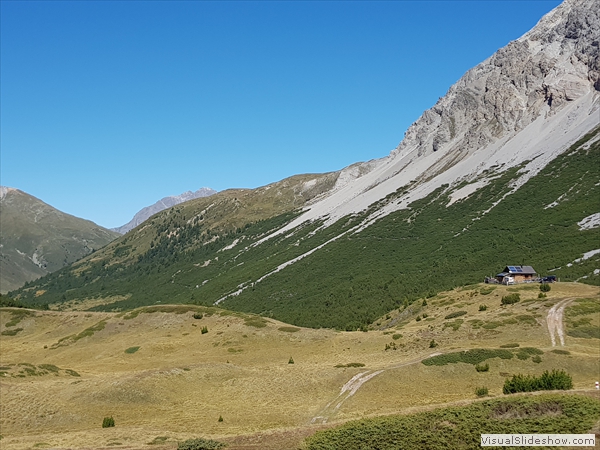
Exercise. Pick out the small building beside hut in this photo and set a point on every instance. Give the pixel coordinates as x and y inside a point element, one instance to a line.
<point>517,274</point>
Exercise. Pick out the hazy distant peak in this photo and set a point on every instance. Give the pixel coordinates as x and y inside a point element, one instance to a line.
<point>164,203</point>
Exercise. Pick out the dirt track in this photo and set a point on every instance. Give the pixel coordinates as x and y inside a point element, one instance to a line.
<point>555,321</point>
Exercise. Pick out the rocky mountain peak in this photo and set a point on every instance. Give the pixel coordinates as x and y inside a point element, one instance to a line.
<point>554,63</point>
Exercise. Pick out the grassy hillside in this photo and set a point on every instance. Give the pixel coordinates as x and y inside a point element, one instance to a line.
<point>164,380</point>
<point>359,276</point>
<point>37,239</point>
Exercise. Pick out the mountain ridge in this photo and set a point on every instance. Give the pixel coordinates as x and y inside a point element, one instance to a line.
<point>166,202</point>
<point>467,187</point>
<point>37,238</point>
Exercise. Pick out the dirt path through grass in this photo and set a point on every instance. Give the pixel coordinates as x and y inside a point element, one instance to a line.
<point>555,321</point>
<point>354,384</point>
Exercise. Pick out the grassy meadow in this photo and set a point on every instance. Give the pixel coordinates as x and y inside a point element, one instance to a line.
<point>166,373</point>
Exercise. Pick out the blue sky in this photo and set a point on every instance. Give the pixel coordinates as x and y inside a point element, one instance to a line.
<point>108,106</point>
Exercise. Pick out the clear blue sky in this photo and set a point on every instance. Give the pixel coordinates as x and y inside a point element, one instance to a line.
<point>108,106</point>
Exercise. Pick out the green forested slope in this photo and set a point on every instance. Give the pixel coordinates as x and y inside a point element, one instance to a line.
<point>351,281</point>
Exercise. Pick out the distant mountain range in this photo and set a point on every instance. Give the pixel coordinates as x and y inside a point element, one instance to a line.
<point>164,203</point>
<point>501,170</point>
<point>37,239</point>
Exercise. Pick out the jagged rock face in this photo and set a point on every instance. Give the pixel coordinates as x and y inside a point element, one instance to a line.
<point>556,62</point>
<point>164,203</point>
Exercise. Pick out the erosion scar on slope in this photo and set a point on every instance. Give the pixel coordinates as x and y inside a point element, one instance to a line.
<point>555,321</point>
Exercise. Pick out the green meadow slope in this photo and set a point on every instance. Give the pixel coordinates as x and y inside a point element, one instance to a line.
<point>201,251</point>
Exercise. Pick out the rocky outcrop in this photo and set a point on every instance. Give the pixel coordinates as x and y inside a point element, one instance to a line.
<point>554,63</point>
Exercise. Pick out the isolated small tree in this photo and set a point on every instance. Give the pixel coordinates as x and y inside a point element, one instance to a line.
<point>108,422</point>
<point>482,307</point>
<point>432,344</point>
<point>424,302</point>
<point>291,361</point>
<point>220,418</point>
<point>204,330</point>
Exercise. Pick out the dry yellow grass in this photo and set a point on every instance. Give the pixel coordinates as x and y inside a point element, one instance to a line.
<point>180,381</point>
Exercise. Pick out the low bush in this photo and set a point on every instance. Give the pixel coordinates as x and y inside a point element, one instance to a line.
<point>396,336</point>
<point>432,344</point>
<point>542,295</point>
<point>455,314</point>
<point>482,367</point>
<point>536,359</point>
<point>481,391</point>
<point>204,330</point>
<point>200,444</point>
<point>132,350</point>
<point>354,364</point>
<point>108,422</point>
<point>474,356</point>
<point>198,316</point>
<point>561,352</point>
<point>510,299</point>
<point>482,307</point>
<point>291,360</point>
<point>545,287</point>
<point>557,379</point>
<point>514,345</point>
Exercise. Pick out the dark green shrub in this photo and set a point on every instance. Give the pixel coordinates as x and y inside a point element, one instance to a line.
<point>561,352</point>
<point>542,295</point>
<point>510,299</point>
<point>291,360</point>
<point>108,422</point>
<point>473,356</point>
<point>200,444</point>
<point>418,319</point>
<point>132,350</point>
<point>481,391</point>
<point>432,344</point>
<point>482,307</point>
<point>424,303</point>
<point>198,316</point>
<point>396,336</point>
<point>515,345</point>
<point>220,419</point>
<point>545,287</point>
<point>482,367</point>
<point>425,315</point>
<point>204,330</point>
<point>354,364</point>
<point>455,314</point>
<point>557,379</point>
<point>536,359</point>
